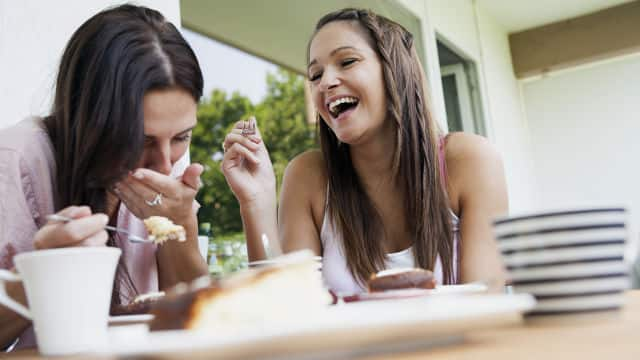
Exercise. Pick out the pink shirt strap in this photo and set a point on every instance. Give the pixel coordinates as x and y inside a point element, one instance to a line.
<point>442,143</point>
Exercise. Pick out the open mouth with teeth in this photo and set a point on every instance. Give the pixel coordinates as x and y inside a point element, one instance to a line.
<point>342,105</point>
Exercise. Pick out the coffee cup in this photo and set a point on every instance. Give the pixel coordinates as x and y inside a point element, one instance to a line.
<point>69,293</point>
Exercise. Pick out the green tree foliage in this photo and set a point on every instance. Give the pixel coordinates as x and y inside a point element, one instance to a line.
<point>216,116</point>
<point>282,121</point>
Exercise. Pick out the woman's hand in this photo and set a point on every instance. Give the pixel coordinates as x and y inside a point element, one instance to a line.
<point>149,193</point>
<point>246,165</point>
<point>85,230</point>
<point>249,173</point>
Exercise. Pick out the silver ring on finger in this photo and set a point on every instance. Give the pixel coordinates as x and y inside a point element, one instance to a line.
<point>157,200</point>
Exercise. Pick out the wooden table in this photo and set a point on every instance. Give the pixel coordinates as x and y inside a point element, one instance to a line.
<point>604,336</point>
<point>607,336</point>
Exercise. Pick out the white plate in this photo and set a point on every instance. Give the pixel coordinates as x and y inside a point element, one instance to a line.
<point>569,270</point>
<point>277,261</point>
<point>470,288</point>
<point>129,319</point>
<point>461,289</point>
<point>580,303</point>
<point>340,331</point>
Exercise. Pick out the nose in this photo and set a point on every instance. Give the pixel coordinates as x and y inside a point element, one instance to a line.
<point>329,80</point>
<point>161,160</point>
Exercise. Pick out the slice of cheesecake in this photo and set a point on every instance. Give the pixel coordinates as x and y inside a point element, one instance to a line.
<point>291,290</point>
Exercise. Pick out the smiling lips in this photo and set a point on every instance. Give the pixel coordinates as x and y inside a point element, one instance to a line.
<point>338,105</point>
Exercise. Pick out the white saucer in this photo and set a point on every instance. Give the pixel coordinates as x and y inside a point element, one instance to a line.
<point>130,319</point>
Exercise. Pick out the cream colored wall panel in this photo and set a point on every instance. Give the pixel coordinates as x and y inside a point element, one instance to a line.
<point>506,119</point>
<point>454,20</point>
<point>584,127</point>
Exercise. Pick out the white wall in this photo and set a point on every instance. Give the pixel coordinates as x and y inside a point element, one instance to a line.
<point>474,34</point>
<point>585,133</point>
<point>454,21</point>
<point>504,108</point>
<point>33,34</point>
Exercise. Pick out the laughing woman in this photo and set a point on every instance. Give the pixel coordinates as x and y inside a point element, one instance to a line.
<point>125,103</point>
<point>387,189</point>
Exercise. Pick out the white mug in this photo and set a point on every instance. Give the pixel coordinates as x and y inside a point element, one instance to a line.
<point>69,294</point>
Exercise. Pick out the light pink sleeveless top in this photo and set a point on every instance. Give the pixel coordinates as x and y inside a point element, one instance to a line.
<point>335,272</point>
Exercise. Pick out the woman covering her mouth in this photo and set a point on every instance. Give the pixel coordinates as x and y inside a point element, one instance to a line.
<point>108,153</point>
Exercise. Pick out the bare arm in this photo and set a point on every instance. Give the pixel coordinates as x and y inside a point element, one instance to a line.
<point>249,173</point>
<point>302,187</point>
<point>477,184</point>
<point>180,261</point>
<point>295,228</point>
<point>177,261</point>
<point>259,218</point>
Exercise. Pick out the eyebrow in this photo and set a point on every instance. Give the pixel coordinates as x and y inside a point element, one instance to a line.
<point>314,61</point>
<point>183,132</point>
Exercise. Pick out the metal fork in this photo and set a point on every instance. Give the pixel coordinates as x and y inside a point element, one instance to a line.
<point>131,237</point>
<point>250,129</point>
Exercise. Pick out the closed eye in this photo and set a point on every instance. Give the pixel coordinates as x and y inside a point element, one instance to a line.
<point>183,138</point>
<point>348,62</point>
<point>315,76</point>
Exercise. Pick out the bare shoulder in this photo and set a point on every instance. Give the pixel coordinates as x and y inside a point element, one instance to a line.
<point>473,164</point>
<point>462,148</point>
<point>308,167</point>
<point>305,178</point>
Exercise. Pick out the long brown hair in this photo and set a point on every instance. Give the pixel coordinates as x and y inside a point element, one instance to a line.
<point>415,164</point>
<point>96,125</point>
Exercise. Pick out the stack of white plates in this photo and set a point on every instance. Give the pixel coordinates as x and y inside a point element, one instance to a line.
<point>571,261</point>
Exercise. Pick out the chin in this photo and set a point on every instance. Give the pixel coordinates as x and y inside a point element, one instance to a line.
<point>345,139</point>
<point>346,135</point>
<point>351,138</point>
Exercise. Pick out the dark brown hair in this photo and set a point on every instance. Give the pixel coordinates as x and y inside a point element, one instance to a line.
<point>97,122</point>
<point>415,164</point>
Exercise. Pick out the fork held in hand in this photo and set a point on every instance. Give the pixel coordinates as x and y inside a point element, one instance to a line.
<point>250,128</point>
<point>131,237</point>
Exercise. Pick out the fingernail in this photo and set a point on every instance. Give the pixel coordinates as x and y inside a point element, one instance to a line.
<point>255,139</point>
<point>138,175</point>
<point>104,218</point>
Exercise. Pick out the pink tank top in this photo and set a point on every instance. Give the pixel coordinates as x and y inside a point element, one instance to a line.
<point>335,272</point>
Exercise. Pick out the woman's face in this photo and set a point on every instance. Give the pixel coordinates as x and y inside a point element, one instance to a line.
<point>347,84</point>
<point>169,118</point>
